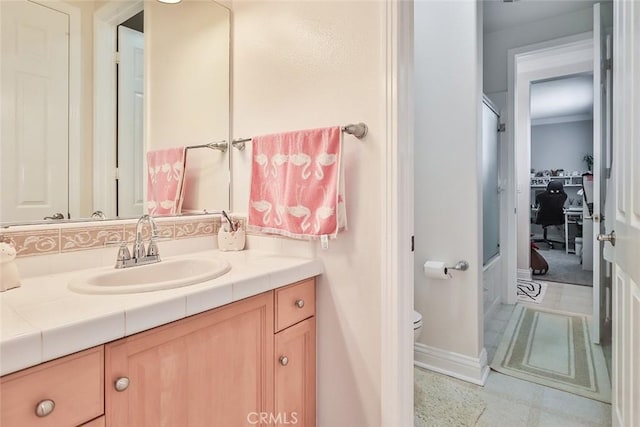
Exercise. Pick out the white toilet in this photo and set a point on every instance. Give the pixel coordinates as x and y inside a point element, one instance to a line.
<point>417,325</point>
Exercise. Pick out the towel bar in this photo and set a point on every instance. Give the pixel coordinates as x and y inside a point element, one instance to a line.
<point>359,130</point>
<point>220,145</point>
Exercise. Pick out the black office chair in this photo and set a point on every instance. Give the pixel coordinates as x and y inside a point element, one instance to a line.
<point>551,209</point>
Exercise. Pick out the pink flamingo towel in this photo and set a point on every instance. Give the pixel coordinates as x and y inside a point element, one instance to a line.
<point>296,184</point>
<point>165,181</point>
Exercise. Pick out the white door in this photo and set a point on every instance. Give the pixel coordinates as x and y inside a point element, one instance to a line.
<point>35,112</point>
<point>626,169</point>
<point>131,169</point>
<point>600,169</point>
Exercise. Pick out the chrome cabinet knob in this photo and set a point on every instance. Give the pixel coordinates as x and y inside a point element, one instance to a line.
<point>608,238</point>
<point>284,360</point>
<point>45,407</point>
<point>299,303</point>
<point>121,384</point>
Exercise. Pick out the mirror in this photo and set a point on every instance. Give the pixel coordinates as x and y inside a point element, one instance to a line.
<point>62,148</point>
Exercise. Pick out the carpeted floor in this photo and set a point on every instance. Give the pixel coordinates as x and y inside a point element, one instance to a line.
<point>563,267</point>
<point>553,348</point>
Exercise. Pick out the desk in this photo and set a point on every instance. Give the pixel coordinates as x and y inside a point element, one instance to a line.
<point>571,216</point>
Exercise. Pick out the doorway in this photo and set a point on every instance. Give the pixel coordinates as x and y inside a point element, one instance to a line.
<point>130,161</point>
<point>545,133</point>
<point>561,164</point>
<point>107,20</point>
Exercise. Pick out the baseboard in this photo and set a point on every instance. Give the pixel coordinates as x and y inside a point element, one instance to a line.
<point>524,274</point>
<point>470,369</point>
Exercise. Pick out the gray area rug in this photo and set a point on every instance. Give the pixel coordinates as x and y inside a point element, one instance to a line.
<point>554,349</point>
<point>563,267</point>
<point>444,402</point>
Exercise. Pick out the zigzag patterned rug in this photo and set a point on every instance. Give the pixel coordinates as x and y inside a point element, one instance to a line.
<point>531,291</point>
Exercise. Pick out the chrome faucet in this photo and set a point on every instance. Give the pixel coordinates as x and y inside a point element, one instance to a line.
<point>141,256</point>
<point>98,215</point>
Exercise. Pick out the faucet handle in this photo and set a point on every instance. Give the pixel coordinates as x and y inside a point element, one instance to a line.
<point>123,255</point>
<point>152,250</point>
<point>123,252</point>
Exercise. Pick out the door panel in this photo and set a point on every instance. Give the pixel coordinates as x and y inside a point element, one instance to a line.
<point>295,380</point>
<point>131,170</point>
<point>626,164</point>
<point>209,370</point>
<point>35,111</point>
<point>599,171</point>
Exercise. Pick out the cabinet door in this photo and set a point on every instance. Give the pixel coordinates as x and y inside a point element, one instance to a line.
<point>295,375</point>
<point>64,392</point>
<point>213,369</point>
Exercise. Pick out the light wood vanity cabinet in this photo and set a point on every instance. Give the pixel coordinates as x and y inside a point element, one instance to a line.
<point>250,361</point>
<point>64,392</point>
<point>220,368</point>
<point>295,355</point>
<point>295,376</point>
<point>211,369</point>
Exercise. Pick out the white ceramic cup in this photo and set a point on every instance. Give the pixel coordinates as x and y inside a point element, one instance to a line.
<point>231,240</point>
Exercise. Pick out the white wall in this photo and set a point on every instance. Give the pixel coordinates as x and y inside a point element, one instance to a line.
<point>187,92</point>
<point>448,213</point>
<point>561,145</point>
<point>303,65</point>
<point>496,44</point>
<point>86,108</point>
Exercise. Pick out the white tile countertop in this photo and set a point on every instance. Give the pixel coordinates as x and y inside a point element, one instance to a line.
<point>43,319</point>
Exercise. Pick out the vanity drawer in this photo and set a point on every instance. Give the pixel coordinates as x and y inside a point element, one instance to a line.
<point>75,385</point>
<point>295,303</point>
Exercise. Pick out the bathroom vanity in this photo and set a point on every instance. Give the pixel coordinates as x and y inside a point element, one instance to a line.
<point>244,357</point>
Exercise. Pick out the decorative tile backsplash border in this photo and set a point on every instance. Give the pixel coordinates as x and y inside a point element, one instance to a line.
<point>56,238</point>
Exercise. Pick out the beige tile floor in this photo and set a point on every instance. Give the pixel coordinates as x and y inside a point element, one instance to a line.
<point>564,297</point>
<point>513,402</point>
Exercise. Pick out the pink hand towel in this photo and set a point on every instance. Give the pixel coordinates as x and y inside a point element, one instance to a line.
<point>296,184</point>
<point>165,179</point>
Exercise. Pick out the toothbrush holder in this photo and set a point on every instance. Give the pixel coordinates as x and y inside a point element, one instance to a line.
<point>231,240</point>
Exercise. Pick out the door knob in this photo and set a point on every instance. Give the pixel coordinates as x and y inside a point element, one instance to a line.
<point>284,360</point>
<point>608,238</point>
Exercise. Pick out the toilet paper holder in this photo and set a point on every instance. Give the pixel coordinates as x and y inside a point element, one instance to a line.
<point>460,266</point>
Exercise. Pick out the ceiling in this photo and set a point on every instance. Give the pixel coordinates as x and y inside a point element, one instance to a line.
<point>564,99</point>
<point>499,15</point>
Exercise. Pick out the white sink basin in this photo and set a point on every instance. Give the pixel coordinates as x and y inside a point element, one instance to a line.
<point>152,277</point>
